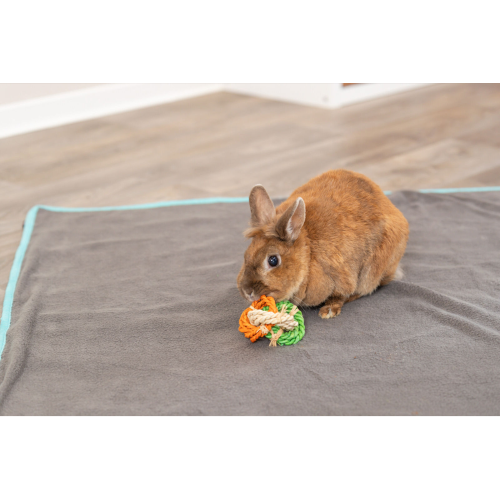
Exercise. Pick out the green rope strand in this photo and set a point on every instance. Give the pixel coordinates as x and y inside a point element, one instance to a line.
<point>293,336</point>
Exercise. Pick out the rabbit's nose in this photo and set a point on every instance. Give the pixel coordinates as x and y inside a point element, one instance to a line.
<point>250,295</point>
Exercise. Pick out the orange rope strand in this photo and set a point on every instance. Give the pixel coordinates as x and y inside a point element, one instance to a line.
<point>256,332</point>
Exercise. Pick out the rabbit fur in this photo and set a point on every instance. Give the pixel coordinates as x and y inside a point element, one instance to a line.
<point>335,239</point>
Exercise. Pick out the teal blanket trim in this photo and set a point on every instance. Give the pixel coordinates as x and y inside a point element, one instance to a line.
<point>29,224</point>
<point>456,190</point>
<point>160,204</point>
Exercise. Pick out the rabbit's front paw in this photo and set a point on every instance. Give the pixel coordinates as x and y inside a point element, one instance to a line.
<point>330,311</point>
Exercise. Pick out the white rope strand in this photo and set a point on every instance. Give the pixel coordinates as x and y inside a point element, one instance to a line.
<point>284,320</point>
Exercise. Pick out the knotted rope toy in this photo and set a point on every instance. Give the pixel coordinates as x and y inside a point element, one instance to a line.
<point>283,323</point>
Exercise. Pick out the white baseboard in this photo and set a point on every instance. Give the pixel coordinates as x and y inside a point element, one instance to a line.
<point>94,102</point>
<point>357,93</point>
<point>323,95</point>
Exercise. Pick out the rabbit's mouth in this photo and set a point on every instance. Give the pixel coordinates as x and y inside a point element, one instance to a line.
<point>252,295</point>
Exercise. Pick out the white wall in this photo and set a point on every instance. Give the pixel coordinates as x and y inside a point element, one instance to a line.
<point>16,92</point>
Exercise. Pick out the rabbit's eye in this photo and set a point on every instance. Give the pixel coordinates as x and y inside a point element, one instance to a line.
<point>273,261</point>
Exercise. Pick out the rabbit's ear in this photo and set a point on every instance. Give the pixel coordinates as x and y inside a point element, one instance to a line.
<point>261,206</point>
<point>290,223</point>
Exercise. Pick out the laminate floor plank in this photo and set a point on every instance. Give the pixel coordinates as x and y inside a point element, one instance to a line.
<point>441,164</point>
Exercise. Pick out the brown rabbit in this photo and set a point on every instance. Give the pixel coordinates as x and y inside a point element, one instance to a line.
<point>349,243</point>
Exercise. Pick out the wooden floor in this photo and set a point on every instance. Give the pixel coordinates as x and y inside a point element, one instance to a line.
<point>222,144</point>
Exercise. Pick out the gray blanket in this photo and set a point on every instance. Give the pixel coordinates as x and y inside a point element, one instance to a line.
<point>135,312</point>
